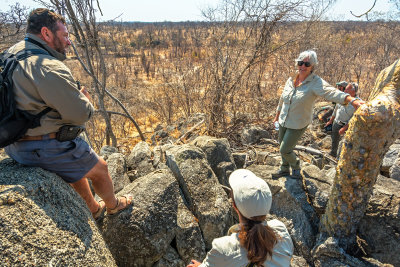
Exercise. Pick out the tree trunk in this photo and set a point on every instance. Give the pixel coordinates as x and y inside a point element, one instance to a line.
<point>372,130</point>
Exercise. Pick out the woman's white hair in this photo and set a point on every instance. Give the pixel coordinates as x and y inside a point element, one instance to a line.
<point>310,54</point>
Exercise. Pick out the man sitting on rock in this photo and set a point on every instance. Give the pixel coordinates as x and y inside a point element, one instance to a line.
<point>341,117</point>
<point>42,81</point>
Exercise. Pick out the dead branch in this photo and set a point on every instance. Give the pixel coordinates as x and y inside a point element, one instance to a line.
<point>364,14</point>
<point>109,94</point>
<point>189,131</point>
<point>305,149</point>
<point>113,113</point>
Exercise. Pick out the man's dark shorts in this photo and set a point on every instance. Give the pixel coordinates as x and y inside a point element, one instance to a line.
<point>70,160</point>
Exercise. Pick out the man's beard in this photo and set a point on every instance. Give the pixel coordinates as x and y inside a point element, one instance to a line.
<point>59,47</point>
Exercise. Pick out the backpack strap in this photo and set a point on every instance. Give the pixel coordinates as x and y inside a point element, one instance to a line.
<point>11,61</point>
<point>36,118</point>
<point>28,39</point>
<point>21,55</point>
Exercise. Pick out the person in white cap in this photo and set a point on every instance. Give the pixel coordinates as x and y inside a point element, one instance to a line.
<point>341,117</point>
<point>254,241</point>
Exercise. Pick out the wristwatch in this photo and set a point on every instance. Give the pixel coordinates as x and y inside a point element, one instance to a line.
<point>351,102</point>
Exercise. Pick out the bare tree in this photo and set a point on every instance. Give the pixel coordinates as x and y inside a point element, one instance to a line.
<point>372,130</point>
<point>242,40</point>
<point>12,24</point>
<point>82,16</point>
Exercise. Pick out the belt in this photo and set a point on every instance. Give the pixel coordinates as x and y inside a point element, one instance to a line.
<point>38,137</point>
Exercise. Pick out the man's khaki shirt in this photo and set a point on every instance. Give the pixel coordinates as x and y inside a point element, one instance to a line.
<point>296,104</point>
<point>42,81</point>
<point>343,113</point>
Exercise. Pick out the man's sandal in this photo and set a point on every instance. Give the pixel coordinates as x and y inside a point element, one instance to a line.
<point>118,208</point>
<point>100,211</point>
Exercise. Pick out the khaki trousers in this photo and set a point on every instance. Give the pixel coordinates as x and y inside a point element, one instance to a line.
<point>288,139</point>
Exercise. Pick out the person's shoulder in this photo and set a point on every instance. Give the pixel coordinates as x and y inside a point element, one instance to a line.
<point>317,79</point>
<point>45,64</point>
<point>226,243</point>
<point>289,81</point>
<point>16,48</point>
<point>279,227</point>
<point>285,243</point>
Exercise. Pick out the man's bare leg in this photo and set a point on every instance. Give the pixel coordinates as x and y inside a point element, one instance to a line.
<point>83,189</point>
<point>102,185</point>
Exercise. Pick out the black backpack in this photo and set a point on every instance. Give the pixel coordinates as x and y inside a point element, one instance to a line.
<point>14,123</point>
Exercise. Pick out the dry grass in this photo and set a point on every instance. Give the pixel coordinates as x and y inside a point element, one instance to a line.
<point>164,72</point>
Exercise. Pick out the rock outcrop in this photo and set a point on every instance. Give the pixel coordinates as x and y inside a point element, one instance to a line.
<point>44,222</point>
<point>118,171</point>
<point>141,234</point>
<point>219,156</point>
<point>206,199</point>
<point>178,208</point>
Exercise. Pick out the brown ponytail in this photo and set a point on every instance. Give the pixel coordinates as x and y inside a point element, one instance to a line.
<point>259,240</point>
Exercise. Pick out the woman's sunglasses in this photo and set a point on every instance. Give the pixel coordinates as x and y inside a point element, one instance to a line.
<point>300,63</point>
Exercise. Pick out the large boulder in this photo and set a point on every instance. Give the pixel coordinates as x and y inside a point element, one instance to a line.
<point>142,234</point>
<point>389,158</point>
<point>253,134</point>
<point>318,186</point>
<point>189,239</point>
<point>394,171</point>
<point>327,252</point>
<point>219,156</point>
<point>205,197</point>
<point>118,171</point>
<point>106,151</point>
<point>380,227</point>
<point>139,153</point>
<point>139,161</point>
<point>44,222</point>
<point>170,259</point>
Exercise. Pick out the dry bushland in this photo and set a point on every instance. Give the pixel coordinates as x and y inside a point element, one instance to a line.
<point>231,71</point>
<point>163,71</point>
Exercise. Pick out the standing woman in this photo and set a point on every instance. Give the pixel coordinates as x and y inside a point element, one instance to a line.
<point>254,242</point>
<point>296,105</point>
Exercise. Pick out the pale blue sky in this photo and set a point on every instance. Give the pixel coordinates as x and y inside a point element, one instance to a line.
<point>183,10</point>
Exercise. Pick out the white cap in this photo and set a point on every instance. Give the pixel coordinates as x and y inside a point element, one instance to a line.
<point>251,194</point>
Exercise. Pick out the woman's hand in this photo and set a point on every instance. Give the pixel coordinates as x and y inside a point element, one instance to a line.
<point>194,263</point>
<point>357,103</point>
<point>343,129</point>
<point>328,123</point>
<point>276,117</point>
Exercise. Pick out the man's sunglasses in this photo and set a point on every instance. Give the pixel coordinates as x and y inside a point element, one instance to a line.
<point>300,63</point>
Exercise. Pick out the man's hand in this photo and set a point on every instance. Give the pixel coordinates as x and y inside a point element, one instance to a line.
<point>86,93</point>
<point>194,263</point>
